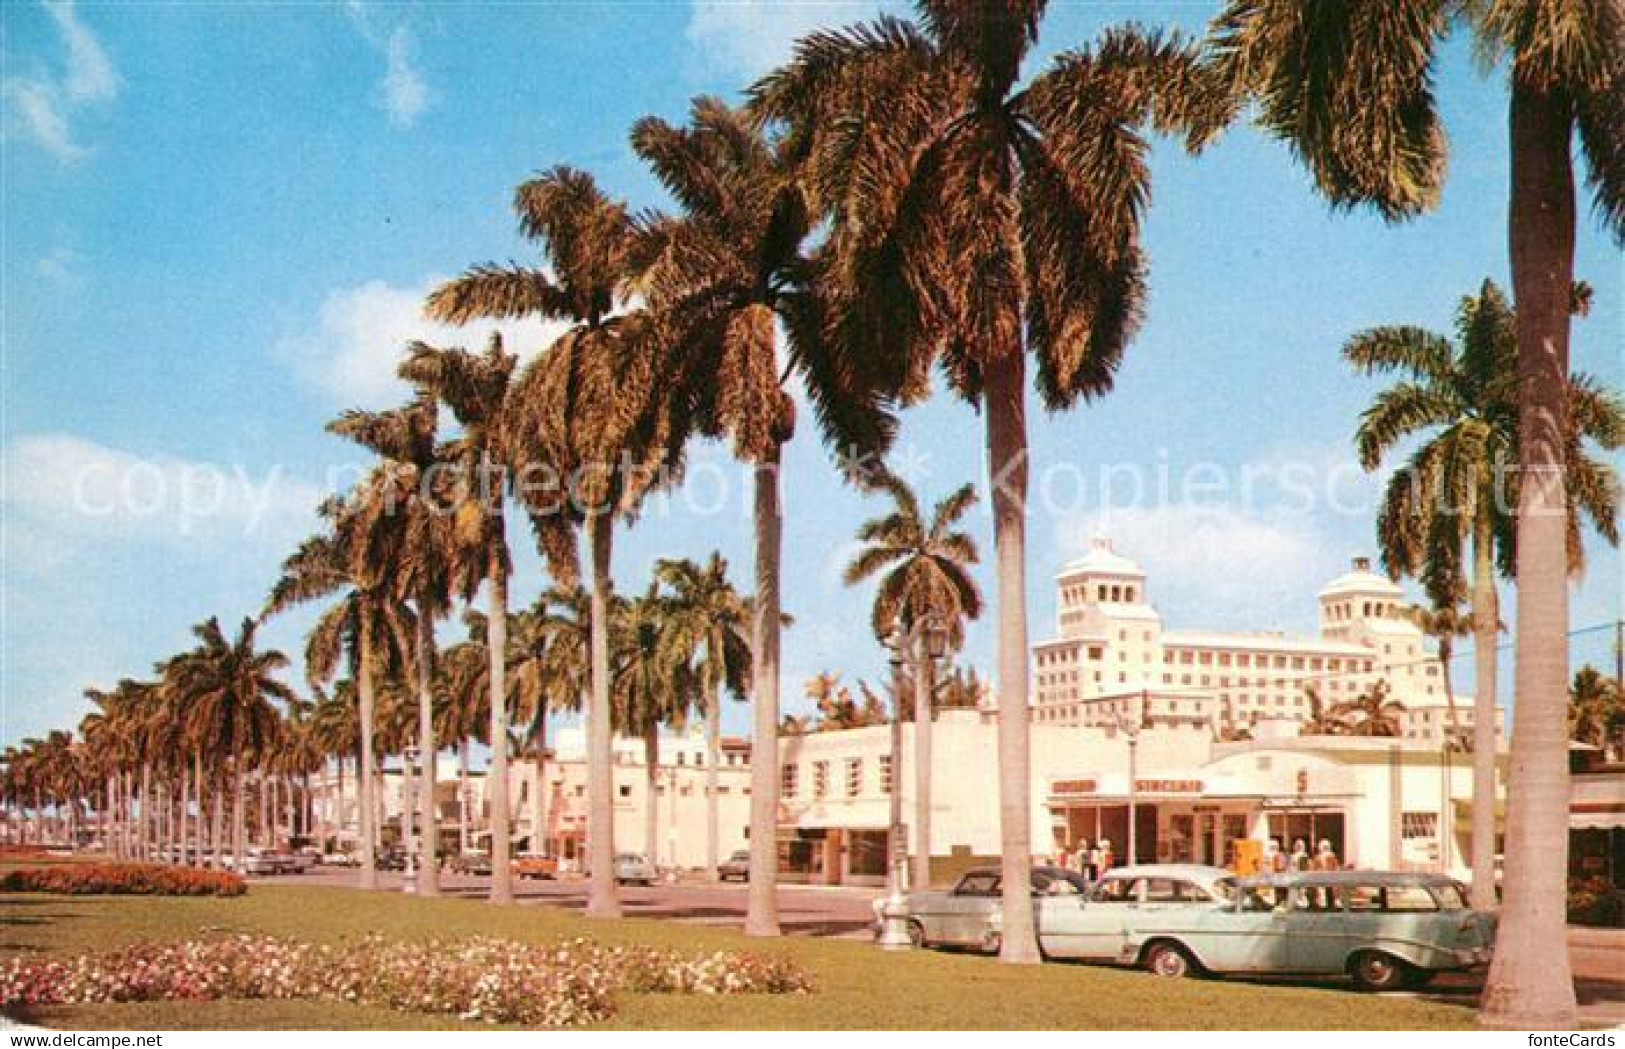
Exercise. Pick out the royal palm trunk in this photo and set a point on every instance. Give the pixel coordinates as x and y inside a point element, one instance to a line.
<point>603,900</point>
<point>1486,620</point>
<point>1529,984</point>
<point>1005,382</point>
<point>366,761</point>
<point>713,758</point>
<point>651,774</point>
<point>497,781</point>
<point>429,834</point>
<point>762,912</point>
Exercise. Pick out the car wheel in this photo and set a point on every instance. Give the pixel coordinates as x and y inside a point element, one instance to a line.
<point>916,935</point>
<point>1375,971</point>
<point>1169,960</point>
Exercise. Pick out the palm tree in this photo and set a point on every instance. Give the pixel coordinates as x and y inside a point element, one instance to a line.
<point>476,389</point>
<point>587,411</point>
<point>365,627</point>
<point>649,688</point>
<point>1453,490</point>
<point>723,275</point>
<point>1444,623</point>
<point>708,624</point>
<point>1350,87</point>
<point>553,674</point>
<point>404,525</point>
<point>1321,721</point>
<point>464,694</point>
<point>228,685</point>
<point>1371,713</point>
<point>974,218</point>
<point>926,585</point>
<point>1596,711</point>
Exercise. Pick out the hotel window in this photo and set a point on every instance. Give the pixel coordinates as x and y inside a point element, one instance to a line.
<point>1206,680</point>
<point>626,790</point>
<point>1297,662</point>
<point>1185,657</point>
<point>820,779</point>
<point>1314,664</point>
<point>1418,825</point>
<point>885,773</point>
<point>1167,679</point>
<point>680,758</point>
<point>1128,594</point>
<point>1100,593</point>
<point>1206,659</point>
<point>1224,659</point>
<point>854,777</point>
<point>787,780</point>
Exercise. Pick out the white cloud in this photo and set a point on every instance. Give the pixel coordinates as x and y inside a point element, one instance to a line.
<point>39,106</point>
<point>361,332</point>
<point>63,490</point>
<point>90,75</point>
<point>752,37</point>
<point>403,93</point>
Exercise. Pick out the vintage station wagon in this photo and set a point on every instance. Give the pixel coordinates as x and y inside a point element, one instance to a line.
<point>1385,930</point>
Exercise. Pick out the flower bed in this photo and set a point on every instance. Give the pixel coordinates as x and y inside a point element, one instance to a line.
<point>122,879</point>
<point>495,981</point>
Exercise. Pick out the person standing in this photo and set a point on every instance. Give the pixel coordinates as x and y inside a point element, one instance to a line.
<point>1325,859</point>
<point>1300,855</point>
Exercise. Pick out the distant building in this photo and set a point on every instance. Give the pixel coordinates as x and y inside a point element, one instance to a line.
<point>1113,659</point>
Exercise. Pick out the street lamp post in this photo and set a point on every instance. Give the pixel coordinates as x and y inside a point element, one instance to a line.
<point>894,912</point>
<point>925,639</point>
<point>409,839</point>
<point>1131,729</point>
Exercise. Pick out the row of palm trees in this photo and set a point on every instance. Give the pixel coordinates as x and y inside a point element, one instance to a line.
<point>903,195</point>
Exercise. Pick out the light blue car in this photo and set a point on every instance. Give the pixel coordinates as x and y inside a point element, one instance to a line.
<point>633,869</point>
<point>1385,930</point>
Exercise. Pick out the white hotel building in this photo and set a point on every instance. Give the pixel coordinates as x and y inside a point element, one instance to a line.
<point>1217,755</point>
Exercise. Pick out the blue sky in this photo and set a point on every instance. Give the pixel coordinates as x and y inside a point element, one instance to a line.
<point>220,219</point>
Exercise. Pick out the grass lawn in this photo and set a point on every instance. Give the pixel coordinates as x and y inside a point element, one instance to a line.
<point>858,986</point>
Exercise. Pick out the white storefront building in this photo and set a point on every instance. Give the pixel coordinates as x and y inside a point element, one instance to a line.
<point>1198,733</point>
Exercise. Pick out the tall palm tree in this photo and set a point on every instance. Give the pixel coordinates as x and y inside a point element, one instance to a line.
<point>553,675</point>
<point>1371,713</point>
<point>723,275</point>
<point>1444,623</point>
<point>476,389</point>
<point>1453,492</point>
<point>408,522</point>
<point>587,415</point>
<point>1350,87</point>
<point>975,217</point>
<point>649,688</point>
<point>1322,720</point>
<point>463,696</point>
<point>925,582</point>
<point>708,629</point>
<point>229,685</point>
<point>364,627</point>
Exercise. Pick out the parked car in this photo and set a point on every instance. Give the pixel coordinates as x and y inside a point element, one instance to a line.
<point>1385,930</point>
<point>391,860</point>
<point>968,914</point>
<point>256,861</point>
<point>535,865</point>
<point>1093,926</point>
<point>471,863</point>
<point>736,867</point>
<point>341,859</point>
<point>633,869</point>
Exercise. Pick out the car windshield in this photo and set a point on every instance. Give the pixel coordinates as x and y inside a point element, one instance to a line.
<point>1449,896</point>
<point>978,885</point>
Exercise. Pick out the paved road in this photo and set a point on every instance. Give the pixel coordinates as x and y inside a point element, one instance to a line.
<point>804,910</point>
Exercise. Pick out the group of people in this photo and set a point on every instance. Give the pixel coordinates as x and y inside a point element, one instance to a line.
<point>1280,862</point>
<point>1094,860</point>
<point>1091,861</point>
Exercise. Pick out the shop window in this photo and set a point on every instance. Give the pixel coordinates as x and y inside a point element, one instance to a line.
<point>1414,826</point>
